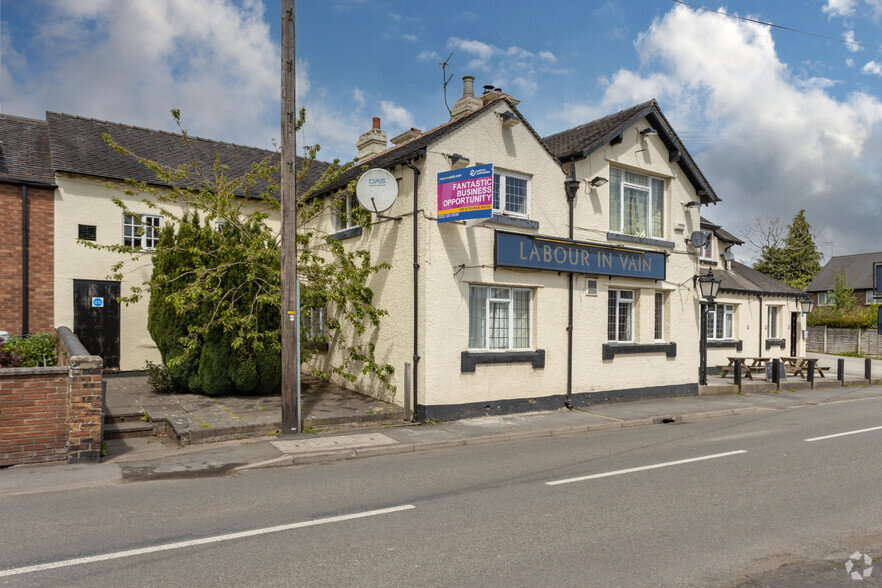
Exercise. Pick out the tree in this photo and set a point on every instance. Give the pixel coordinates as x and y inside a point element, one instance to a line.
<point>215,289</point>
<point>843,296</point>
<point>794,259</point>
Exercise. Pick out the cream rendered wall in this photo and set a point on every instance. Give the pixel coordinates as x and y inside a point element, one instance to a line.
<point>86,200</point>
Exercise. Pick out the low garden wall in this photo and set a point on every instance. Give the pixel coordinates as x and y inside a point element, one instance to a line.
<point>830,340</point>
<point>53,414</point>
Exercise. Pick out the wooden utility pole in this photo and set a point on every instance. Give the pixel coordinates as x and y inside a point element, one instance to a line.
<point>290,310</point>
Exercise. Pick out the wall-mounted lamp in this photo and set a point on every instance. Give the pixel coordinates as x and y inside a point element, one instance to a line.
<point>457,161</point>
<point>509,119</point>
<point>691,203</point>
<point>648,131</point>
<point>597,182</point>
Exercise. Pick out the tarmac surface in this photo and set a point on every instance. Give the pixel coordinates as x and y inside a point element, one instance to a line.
<point>157,457</point>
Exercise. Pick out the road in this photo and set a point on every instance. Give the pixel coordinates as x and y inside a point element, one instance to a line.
<point>715,502</point>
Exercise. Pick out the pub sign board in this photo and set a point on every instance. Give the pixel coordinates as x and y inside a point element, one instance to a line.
<point>516,250</point>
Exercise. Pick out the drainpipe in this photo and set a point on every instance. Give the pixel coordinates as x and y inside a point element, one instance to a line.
<point>417,416</point>
<point>572,186</point>
<point>760,354</point>
<point>24,261</point>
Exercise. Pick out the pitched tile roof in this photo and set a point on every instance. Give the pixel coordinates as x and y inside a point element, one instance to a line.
<point>78,147</point>
<point>720,232</point>
<point>741,279</point>
<point>858,266</point>
<point>410,149</point>
<point>581,141</point>
<point>24,151</point>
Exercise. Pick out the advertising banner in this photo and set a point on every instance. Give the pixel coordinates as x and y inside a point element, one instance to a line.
<point>562,255</point>
<point>465,193</point>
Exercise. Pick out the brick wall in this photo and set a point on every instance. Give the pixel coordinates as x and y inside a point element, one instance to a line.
<point>53,414</point>
<point>41,229</point>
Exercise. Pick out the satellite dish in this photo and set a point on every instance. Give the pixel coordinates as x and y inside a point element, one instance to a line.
<point>728,255</point>
<point>698,238</point>
<point>376,190</point>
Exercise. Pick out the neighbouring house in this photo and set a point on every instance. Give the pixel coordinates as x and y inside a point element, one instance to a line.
<point>579,289</point>
<point>62,176</point>
<point>857,268</point>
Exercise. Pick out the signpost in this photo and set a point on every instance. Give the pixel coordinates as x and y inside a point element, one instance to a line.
<point>465,194</point>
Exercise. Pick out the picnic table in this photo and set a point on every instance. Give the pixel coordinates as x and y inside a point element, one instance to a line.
<point>798,366</point>
<point>749,366</point>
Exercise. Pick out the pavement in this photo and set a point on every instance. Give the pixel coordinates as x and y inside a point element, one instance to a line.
<point>151,458</point>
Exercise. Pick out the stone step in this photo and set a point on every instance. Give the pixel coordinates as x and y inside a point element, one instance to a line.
<point>123,416</point>
<point>128,429</point>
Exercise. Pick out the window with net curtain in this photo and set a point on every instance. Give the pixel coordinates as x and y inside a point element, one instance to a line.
<point>620,316</point>
<point>636,204</point>
<point>720,321</point>
<point>499,318</point>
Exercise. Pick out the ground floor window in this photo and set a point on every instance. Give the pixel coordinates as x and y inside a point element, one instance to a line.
<point>312,320</point>
<point>659,328</point>
<point>499,318</point>
<point>720,322</point>
<point>141,230</point>
<point>620,316</point>
<point>773,322</point>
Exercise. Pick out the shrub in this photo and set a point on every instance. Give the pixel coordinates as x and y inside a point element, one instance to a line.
<point>35,350</point>
<point>863,317</point>
<point>9,358</point>
<point>159,378</point>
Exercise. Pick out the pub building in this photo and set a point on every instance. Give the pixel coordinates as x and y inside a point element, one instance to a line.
<point>578,284</point>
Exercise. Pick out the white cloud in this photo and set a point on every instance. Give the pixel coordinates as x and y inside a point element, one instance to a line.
<point>427,55</point>
<point>547,56</point>
<point>840,7</point>
<point>872,68</point>
<point>514,67</point>
<point>481,50</point>
<point>358,97</point>
<point>410,38</point>
<point>395,117</point>
<point>780,143</point>
<point>134,61</point>
<point>875,6</point>
<point>849,36</point>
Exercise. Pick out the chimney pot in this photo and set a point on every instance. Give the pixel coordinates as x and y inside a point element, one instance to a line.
<point>488,88</point>
<point>376,122</point>
<point>468,86</point>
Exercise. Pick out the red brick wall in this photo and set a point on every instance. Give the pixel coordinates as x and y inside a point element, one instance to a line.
<point>41,229</point>
<point>33,415</point>
<point>50,414</point>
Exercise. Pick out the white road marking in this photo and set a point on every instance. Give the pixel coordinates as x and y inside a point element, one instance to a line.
<point>642,468</point>
<point>842,434</point>
<point>204,541</point>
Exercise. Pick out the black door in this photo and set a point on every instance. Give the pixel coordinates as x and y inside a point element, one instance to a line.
<point>794,332</point>
<point>96,319</point>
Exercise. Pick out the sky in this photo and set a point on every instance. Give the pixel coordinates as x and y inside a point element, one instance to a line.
<point>777,120</point>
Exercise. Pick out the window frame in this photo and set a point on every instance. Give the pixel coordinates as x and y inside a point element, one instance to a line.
<point>488,302</point>
<point>619,301</point>
<point>872,299</point>
<point>772,333</point>
<point>343,218</point>
<point>658,325</point>
<point>138,237</point>
<point>728,312</point>
<point>706,253</point>
<point>315,329</point>
<point>825,298</point>
<point>499,191</point>
<point>650,208</point>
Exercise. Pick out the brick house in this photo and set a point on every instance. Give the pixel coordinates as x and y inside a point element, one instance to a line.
<point>858,269</point>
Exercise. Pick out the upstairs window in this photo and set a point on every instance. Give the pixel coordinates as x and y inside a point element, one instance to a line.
<point>636,204</point>
<point>511,194</point>
<point>343,218</point>
<point>499,318</point>
<point>707,252</point>
<point>141,231</point>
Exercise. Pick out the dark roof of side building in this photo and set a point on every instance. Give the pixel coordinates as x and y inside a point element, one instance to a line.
<point>720,232</point>
<point>580,142</point>
<point>859,268</point>
<point>741,279</point>
<point>78,147</point>
<point>24,152</point>
<point>411,149</point>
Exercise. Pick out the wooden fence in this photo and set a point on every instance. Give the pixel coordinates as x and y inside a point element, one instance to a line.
<point>830,340</point>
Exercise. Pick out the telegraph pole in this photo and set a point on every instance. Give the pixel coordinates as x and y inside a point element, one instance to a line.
<point>290,298</point>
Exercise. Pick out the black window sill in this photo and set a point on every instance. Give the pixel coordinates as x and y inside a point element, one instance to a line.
<point>775,343</point>
<point>316,346</point>
<point>610,350</point>
<point>347,233</point>
<point>737,345</point>
<point>708,262</point>
<point>641,240</point>
<point>470,359</point>
<point>514,221</point>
